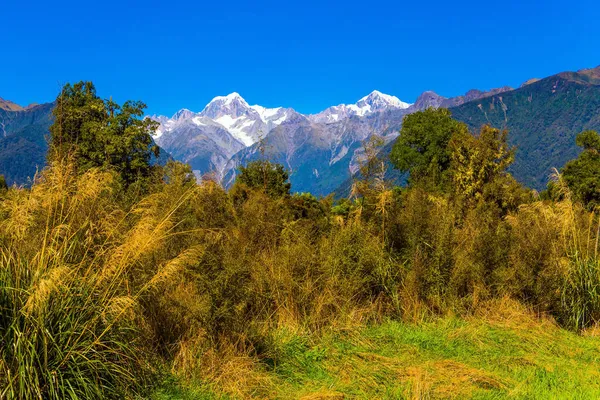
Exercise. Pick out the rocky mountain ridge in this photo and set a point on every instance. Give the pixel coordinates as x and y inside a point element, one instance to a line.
<point>322,150</point>
<point>228,125</point>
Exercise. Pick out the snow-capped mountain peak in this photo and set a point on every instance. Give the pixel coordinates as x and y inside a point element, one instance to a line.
<point>230,98</point>
<point>246,123</point>
<point>378,101</point>
<point>371,103</point>
<point>233,114</point>
<point>266,113</point>
<point>233,105</point>
<point>184,113</point>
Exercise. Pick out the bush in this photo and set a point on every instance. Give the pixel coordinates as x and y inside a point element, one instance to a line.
<point>75,271</point>
<point>101,288</point>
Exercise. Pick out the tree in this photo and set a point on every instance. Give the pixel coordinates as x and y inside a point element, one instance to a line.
<point>266,176</point>
<point>370,179</point>
<point>589,140</point>
<point>3,185</point>
<point>422,148</point>
<point>582,175</point>
<point>478,160</point>
<point>78,117</point>
<point>101,133</point>
<point>305,206</point>
<point>372,193</point>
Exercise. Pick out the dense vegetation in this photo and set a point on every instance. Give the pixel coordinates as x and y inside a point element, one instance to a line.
<point>113,279</point>
<point>543,119</point>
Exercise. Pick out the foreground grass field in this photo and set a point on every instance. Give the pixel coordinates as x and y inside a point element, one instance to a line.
<point>501,352</point>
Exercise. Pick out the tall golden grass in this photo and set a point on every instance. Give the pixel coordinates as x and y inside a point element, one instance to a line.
<point>102,290</point>
<point>71,259</point>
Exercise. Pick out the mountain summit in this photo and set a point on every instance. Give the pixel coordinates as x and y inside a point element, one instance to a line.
<point>208,139</point>
<point>321,151</point>
<point>431,99</point>
<point>377,101</point>
<point>371,103</point>
<point>232,105</point>
<point>245,122</point>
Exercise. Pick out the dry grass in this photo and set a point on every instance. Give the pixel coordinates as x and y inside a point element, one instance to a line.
<point>502,351</point>
<point>256,302</point>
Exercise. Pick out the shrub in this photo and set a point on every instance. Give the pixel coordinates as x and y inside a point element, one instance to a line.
<point>74,272</point>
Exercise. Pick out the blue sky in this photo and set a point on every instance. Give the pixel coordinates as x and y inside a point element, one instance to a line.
<point>301,54</point>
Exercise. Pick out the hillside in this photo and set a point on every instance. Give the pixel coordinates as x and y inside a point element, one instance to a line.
<point>542,119</point>
<point>8,105</point>
<point>322,150</point>
<point>23,142</point>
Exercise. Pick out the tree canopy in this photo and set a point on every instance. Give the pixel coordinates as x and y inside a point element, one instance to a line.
<point>478,160</point>
<point>272,178</point>
<point>582,175</point>
<point>422,148</point>
<point>102,133</point>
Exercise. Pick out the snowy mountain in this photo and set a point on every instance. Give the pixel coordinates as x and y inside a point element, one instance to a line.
<point>226,133</point>
<point>197,140</point>
<point>372,103</point>
<point>208,140</point>
<point>246,123</point>
<point>319,156</point>
<point>321,151</point>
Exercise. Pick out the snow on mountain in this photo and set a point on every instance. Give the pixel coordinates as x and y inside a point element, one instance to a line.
<point>249,123</point>
<point>227,130</point>
<point>372,103</point>
<point>245,122</point>
<point>208,139</point>
<point>377,101</point>
<point>203,143</point>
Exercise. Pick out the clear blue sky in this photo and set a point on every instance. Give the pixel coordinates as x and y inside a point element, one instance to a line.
<point>301,54</point>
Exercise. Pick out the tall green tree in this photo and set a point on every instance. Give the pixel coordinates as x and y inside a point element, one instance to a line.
<point>582,175</point>
<point>263,175</point>
<point>102,133</point>
<point>422,147</point>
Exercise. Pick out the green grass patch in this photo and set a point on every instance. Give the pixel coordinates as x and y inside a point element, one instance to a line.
<point>477,358</point>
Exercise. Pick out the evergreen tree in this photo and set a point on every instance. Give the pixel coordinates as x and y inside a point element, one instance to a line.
<point>101,133</point>
<point>582,175</point>
<point>422,148</point>
<point>272,178</point>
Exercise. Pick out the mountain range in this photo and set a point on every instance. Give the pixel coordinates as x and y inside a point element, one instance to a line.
<point>23,140</point>
<point>322,150</point>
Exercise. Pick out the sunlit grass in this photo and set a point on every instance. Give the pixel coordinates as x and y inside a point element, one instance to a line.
<point>501,352</point>
<point>102,296</point>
